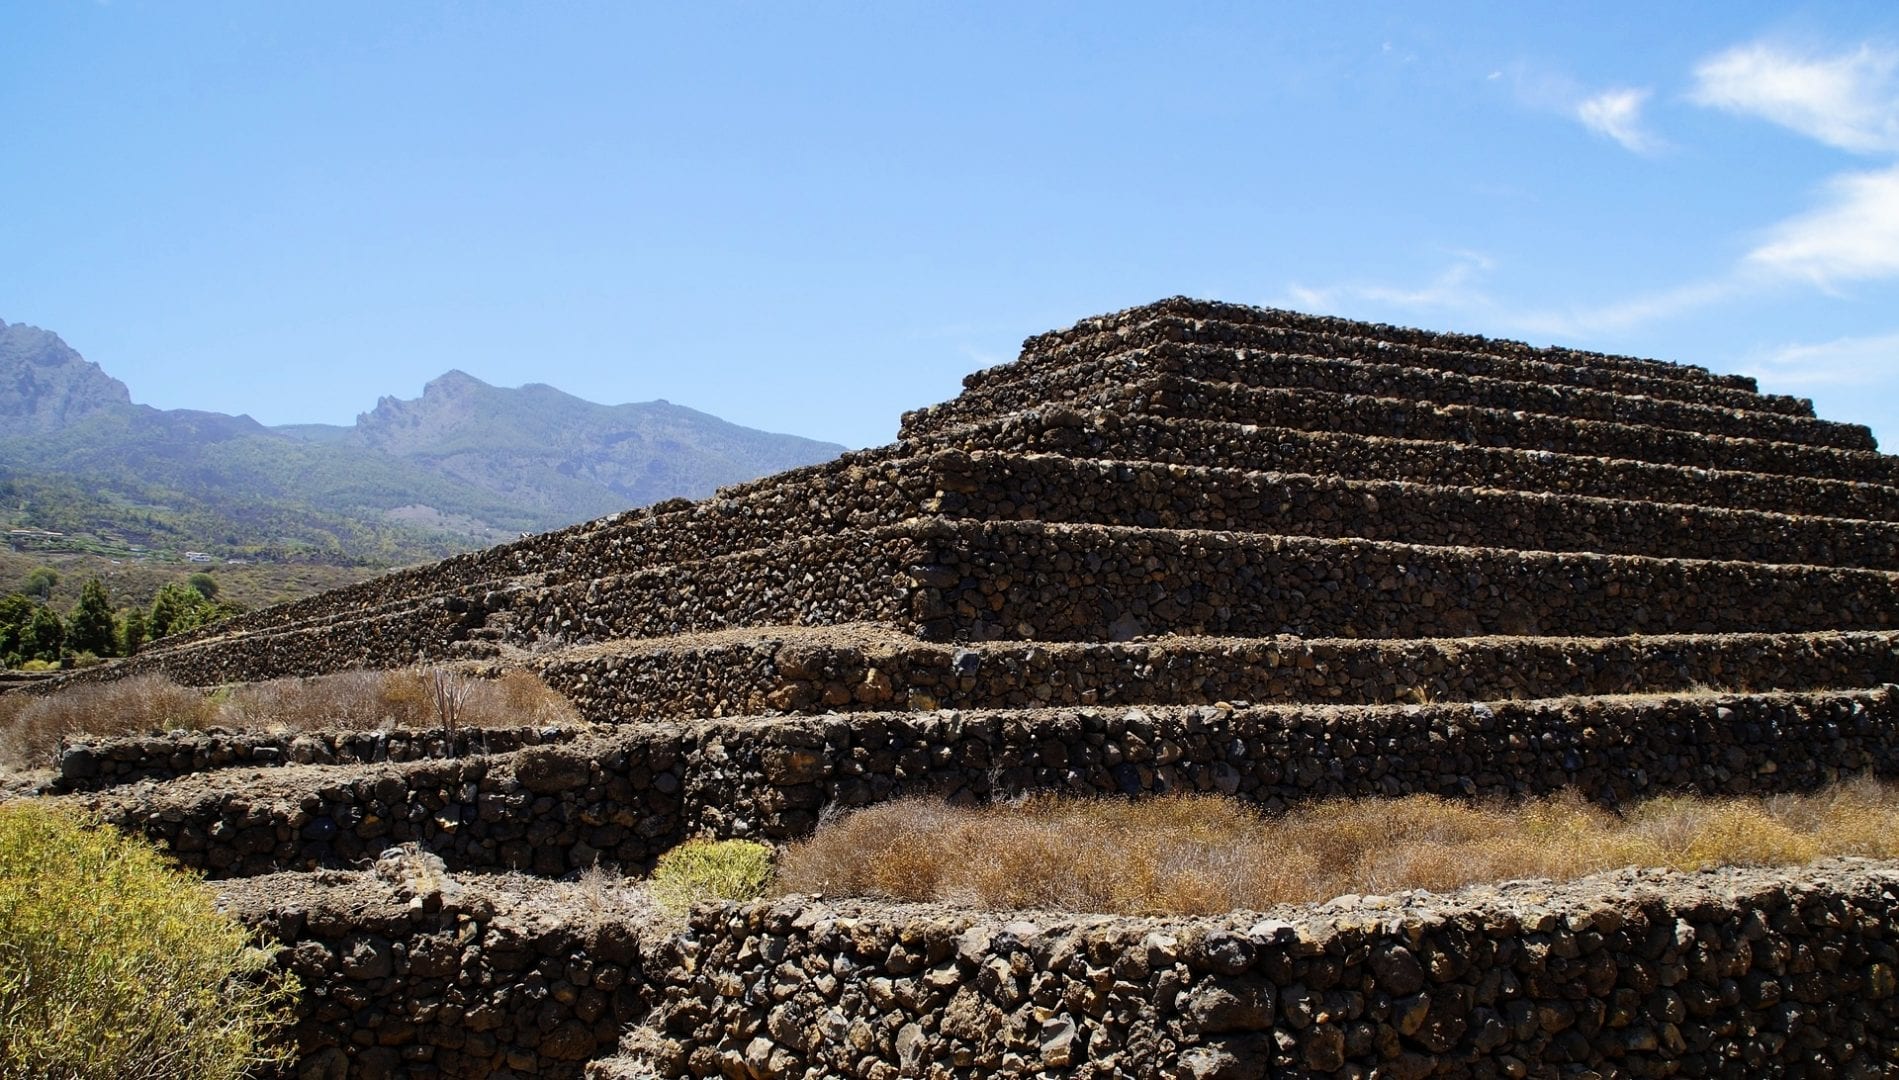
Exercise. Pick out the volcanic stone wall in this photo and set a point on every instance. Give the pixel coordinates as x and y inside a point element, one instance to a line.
<point>496,978</point>
<point>404,634</point>
<point>1058,489</point>
<point>95,764</point>
<point>788,672</point>
<point>1354,338</point>
<point>1311,410</point>
<point>981,580</point>
<point>629,796</point>
<point>1188,320</point>
<point>1633,974</point>
<point>1546,370</point>
<point>1191,441</point>
<point>1078,583</point>
<point>1785,972</point>
<point>1190,547</point>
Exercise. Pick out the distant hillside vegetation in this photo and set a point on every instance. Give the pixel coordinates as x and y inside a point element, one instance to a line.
<point>84,469</point>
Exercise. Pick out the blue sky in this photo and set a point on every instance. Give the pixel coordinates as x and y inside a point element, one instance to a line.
<point>809,218</point>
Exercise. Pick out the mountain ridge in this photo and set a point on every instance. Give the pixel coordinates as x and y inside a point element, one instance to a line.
<point>464,465</point>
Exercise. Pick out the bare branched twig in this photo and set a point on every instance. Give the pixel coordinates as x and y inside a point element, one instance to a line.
<point>448,689</point>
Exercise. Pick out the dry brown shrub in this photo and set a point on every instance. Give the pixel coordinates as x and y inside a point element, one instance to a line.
<point>1196,854</point>
<point>349,701</point>
<point>405,698</point>
<point>517,699</point>
<point>134,706</point>
<point>31,727</point>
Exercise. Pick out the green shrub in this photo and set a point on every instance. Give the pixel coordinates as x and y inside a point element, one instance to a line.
<point>116,966</point>
<point>711,870</point>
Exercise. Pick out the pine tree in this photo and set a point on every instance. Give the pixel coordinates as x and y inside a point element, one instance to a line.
<point>16,614</point>
<point>90,627</point>
<point>131,632</point>
<point>45,635</point>
<point>178,608</point>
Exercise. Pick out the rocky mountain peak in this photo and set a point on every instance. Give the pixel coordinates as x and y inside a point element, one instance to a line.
<point>44,384</point>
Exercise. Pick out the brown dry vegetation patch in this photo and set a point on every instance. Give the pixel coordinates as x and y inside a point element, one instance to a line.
<point>1198,854</point>
<point>31,728</point>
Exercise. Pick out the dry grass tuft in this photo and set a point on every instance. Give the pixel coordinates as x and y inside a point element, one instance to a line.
<point>604,894</point>
<point>1197,854</point>
<point>130,706</point>
<point>31,728</point>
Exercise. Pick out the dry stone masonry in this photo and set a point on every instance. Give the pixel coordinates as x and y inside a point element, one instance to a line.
<point>1186,547</point>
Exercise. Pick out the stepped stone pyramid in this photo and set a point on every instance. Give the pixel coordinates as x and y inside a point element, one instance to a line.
<point>1207,474</point>
<point>1188,546</point>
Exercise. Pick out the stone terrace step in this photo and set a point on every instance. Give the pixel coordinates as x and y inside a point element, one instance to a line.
<point>400,633</point>
<point>629,796</point>
<point>1240,314</point>
<point>1184,441</point>
<point>477,976</point>
<point>1282,371</point>
<point>868,669</point>
<point>852,577</point>
<point>987,486</point>
<point>1412,985</point>
<point>993,580</point>
<point>1084,582</point>
<point>1079,348</point>
<point>90,763</point>
<point>502,566</point>
<point>859,490</point>
<point>986,580</point>
<point>1171,396</point>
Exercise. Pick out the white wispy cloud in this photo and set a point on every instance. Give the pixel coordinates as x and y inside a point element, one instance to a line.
<point>1852,236</point>
<point>1849,100</point>
<point>1627,313</point>
<point>1459,290</point>
<point>1455,288</point>
<point>1617,114</point>
<point>1847,361</point>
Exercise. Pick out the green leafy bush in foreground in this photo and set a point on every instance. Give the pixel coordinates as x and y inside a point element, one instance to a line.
<point>711,870</point>
<point>116,966</point>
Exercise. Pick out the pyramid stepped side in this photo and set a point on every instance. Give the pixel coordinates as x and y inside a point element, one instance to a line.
<point>467,590</point>
<point>1060,489</point>
<point>702,544</point>
<point>522,557</point>
<point>1175,397</point>
<point>1212,443</point>
<point>1648,379</point>
<point>1357,335</point>
<point>951,580</point>
<point>1279,371</point>
<point>868,669</point>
